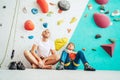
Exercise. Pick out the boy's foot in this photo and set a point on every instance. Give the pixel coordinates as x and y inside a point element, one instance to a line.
<point>89,68</point>
<point>60,67</point>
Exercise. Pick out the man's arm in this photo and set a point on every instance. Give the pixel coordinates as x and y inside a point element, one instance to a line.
<point>34,48</point>
<point>52,52</point>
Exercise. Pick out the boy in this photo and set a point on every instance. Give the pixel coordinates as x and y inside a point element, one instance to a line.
<point>70,59</point>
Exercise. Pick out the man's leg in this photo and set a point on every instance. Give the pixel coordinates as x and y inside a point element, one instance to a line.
<point>32,60</point>
<point>52,59</point>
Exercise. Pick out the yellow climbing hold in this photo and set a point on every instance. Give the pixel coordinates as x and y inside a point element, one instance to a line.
<point>73,20</point>
<point>60,42</point>
<point>41,19</point>
<point>60,22</point>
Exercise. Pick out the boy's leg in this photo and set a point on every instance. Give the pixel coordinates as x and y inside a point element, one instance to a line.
<point>64,61</point>
<point>80,56</point>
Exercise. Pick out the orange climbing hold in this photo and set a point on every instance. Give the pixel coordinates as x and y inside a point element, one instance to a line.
<point>29,25</point>
<point>43,5</point>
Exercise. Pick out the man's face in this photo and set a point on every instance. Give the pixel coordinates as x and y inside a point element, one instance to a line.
<point>46,33</point>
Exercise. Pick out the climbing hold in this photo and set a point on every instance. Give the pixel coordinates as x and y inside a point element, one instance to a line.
<point>116,19</point>
<point>101,20</point>
<point>28,25</point>
<point>64,5</point>
<point>34,10</point>
<point>60,11</point>
<point>90,6</point>
<point>112,40</point>
<point>60,22</point>
<point>93,49</point>
<point>24,10</point>
<point>84,49</point>
<point>41,19</point>
<point>4,7</point>
<point>86,15</point>
<point>116,13</point>
<point>60,42</point>
<point>97,36</point>
<point>52,4</point>
<point>43,5</point>
<point>12,55</point>
<point>68,30</point>
<point>102,8</point>
<point>21,36</point>
<point>73,20</point>
<point>0,25</point>
<point>45,25</point>
<point>30,37</point>
<point>50,13</point>
<point>109,48</point>
<point>107,12</point>
<point>102,2</point>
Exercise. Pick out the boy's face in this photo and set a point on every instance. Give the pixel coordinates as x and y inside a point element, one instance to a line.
<point>71,47</point>
<point>46,33</point>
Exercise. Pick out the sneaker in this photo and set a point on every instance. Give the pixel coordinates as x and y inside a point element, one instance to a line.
<point>60,67</point>
<point>20,66</point>
<point>13,65</point>
<point>89,68</point>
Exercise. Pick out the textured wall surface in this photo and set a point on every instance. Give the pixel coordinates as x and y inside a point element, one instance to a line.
<point>84,37</point>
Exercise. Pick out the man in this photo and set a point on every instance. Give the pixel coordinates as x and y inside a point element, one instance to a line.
<point>42,54</point>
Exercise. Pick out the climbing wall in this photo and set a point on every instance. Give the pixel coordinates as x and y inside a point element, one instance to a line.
<point>102,51</point>
<point>61,24</point>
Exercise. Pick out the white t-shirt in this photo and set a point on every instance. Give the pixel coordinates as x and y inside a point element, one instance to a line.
<point>44,47</point>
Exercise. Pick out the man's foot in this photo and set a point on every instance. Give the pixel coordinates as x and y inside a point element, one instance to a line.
<point>89,68</point>
<point>47,67</point>
<point>60,67</point>
<point>34,66</point>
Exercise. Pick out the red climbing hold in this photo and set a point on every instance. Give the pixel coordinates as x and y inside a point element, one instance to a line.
<point>29,25</point>
<point>109,48</point>
<point>101,20</point>
<point>101,2</point>
<point>43,5</point>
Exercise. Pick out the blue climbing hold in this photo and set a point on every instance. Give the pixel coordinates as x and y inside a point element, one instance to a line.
<point>30,37</point>
<point>45,25</point>
<point>34,11</point>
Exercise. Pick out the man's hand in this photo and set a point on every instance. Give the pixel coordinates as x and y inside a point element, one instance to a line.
<point>40,64</point>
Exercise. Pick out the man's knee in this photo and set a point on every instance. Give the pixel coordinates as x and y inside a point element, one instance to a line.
<point>57,56</point>
<point>26,53</point>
